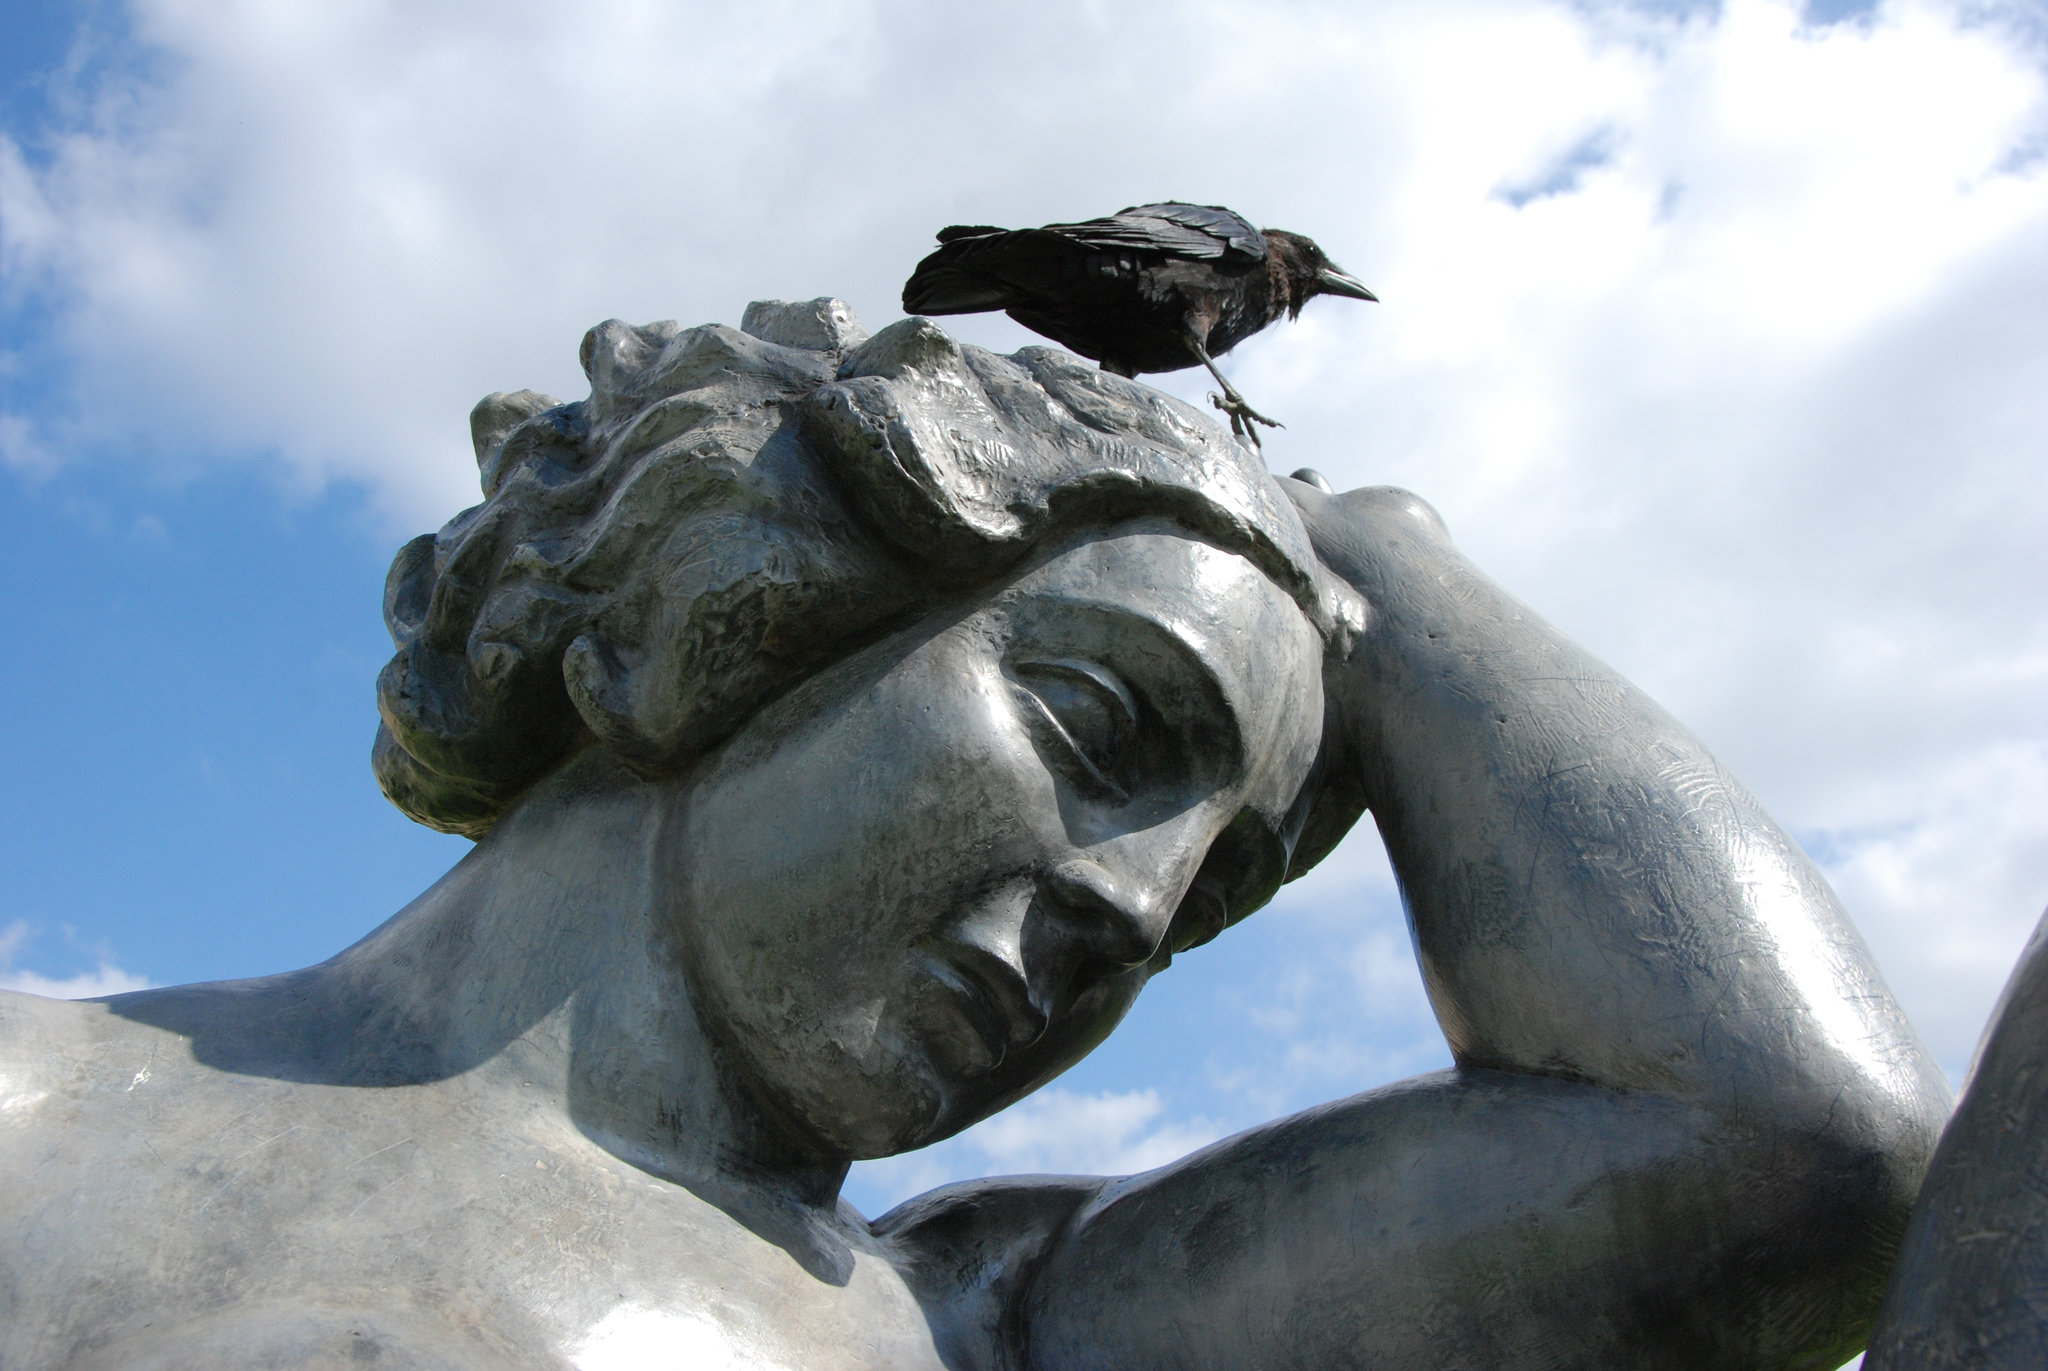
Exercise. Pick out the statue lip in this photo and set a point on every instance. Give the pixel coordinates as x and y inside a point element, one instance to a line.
<point>993,995</point>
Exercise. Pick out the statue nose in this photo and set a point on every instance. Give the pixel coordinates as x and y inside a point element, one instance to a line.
<point>1113,925</point>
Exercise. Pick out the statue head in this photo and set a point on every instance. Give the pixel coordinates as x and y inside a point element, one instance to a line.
<point>873,603</point>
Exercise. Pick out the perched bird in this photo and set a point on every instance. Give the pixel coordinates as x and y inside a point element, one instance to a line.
<point>1150,288</point>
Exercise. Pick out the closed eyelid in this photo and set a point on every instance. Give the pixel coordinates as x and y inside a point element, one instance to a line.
<point>1107,682</point>
<point>1103,686</point>
<point>1162,661</point>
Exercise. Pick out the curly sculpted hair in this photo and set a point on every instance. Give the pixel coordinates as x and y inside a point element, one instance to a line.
<point>732,509</point>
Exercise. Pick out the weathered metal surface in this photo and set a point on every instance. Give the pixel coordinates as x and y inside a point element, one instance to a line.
<point>851,727</point>
<point>1970,1292</point>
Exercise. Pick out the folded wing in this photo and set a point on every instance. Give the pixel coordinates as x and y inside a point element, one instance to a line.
<point>979,267</point>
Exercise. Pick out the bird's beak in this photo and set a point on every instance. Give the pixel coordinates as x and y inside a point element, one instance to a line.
<point>1331,281</point>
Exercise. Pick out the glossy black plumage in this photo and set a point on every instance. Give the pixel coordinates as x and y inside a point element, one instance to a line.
<point>1151,288</point>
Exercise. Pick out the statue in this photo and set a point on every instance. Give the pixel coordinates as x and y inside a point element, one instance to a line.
<point>849,728</point>
<point>1971,1286</point>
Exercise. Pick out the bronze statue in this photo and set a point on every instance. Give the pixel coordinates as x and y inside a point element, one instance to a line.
<point>850,727</point>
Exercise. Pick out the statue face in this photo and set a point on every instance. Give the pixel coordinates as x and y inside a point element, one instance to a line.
<point>935,875</point>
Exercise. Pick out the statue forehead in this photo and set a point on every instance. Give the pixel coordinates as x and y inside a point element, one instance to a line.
<point>1216,602</point>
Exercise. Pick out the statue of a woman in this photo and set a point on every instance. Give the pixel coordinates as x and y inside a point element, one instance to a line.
<point>849,729</point>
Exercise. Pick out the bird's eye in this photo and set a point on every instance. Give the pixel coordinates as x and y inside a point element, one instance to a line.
<point>1085,712</point>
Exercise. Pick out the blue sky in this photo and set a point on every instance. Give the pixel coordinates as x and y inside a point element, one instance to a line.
<point>184,792</point>
<point>1716,331</point>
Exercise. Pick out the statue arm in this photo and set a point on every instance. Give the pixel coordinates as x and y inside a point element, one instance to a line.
<point>1688,1119</point>
<point>1593,897</point>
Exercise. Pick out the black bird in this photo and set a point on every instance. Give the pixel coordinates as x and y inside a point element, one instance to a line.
<point>1150,288</point>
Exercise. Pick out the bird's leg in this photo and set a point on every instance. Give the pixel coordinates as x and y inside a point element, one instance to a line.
<point>1242,415</point>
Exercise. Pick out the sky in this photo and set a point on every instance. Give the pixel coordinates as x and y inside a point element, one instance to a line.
<point>1717,332</point>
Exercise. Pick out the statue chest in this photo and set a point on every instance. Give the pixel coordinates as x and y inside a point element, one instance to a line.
<point>240,1221</point>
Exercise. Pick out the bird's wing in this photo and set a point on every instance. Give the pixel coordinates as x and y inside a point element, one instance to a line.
<point>979,267</point>
<point>1237,233</point>
<point>1198,232</point>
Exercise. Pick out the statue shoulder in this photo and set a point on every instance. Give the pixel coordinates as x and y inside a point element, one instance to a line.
<point>969,1252</point>
<point>277,1335</point>
<point>45,1042</point>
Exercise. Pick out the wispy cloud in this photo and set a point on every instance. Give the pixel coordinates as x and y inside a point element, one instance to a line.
<point>1054,1132</point>
<point>104,979</point>
<point>21,449</point>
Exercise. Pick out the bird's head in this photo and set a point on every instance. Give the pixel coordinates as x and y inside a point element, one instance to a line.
<point>1310,272</point>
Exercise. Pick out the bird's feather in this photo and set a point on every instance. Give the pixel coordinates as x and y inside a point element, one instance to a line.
<point>938,288</point>
<point>1214,220</point>
<point>1197,232</point>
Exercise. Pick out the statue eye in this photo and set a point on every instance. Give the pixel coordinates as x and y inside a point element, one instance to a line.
<point>1088,713</point>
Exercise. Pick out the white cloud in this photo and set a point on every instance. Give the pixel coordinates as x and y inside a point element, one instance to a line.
<point>104,979</point>
<point>1746,399</point>
<point>1949,880</point>
<point>1340,1008</point>
<point>20,448</point>
<point>1054,1132</point>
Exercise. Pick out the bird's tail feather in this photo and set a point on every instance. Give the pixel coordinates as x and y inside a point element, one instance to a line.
<point>936,288</point>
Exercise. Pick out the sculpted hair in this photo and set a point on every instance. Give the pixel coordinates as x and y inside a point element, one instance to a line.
<point>732,509</point>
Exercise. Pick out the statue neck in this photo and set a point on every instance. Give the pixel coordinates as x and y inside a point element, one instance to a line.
<point>543,953</point>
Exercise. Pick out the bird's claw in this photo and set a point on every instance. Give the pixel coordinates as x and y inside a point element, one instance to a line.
<point>1243,416</point>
